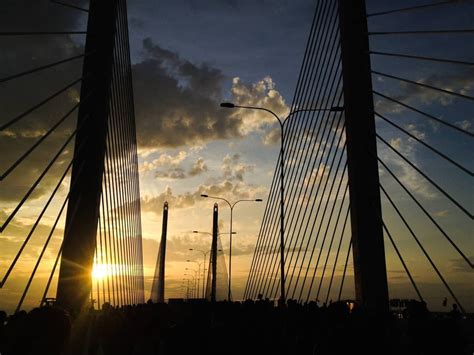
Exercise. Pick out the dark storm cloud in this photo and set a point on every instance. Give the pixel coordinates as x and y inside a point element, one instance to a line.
<point>177,102</point>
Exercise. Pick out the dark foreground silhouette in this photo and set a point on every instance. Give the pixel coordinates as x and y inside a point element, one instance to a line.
<point>238,328</point>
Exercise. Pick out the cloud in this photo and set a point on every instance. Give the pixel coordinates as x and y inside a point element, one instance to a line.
<point>443,213</point>
<point>242,249</point>
<point>28,52</point>
<point>155,203</point>
<point>233,169</point>
<point>275,249</point>
<point>226,189</point>
<point>407,175</point>
<point>316,175</point>
<point>272,136</point>
<point>171,166</point>
<point>198,167</point>
<point>13,237</point>
<point>461,81</point>
<point>259,94</point>
<point>465,124</point>
<point>174,173</point>
<point>177,101</point>
<point>413,129</point>
<point>163,161</point>
<point>460,265</point>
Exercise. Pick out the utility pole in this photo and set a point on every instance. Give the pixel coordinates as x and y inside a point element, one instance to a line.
<point>215,217</point>
<point>367,234</point>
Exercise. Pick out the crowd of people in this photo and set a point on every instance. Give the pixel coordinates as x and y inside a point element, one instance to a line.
<point>250,327</point>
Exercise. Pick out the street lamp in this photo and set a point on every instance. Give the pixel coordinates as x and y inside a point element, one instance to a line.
<point>187,288</point>
<point>198,273</point>
<point>204,253</point>
<point>193,280</point>
<point>231,206</point>
<point>282,176</point>
<point>196,277</point>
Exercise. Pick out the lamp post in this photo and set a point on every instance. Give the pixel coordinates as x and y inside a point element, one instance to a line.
<point>231,206</point>
<point>187,287</point>
<point>193,283</point>
<point>204,265</point>
<point>182,288</point>
<point>282,177</point>
<point>196,278</point>
<point>198,273</point>
<point>204,253</point>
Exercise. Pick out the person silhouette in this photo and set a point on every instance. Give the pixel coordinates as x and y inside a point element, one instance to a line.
<point>455,314</point>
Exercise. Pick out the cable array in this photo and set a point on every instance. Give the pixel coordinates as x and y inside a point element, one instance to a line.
<point>316,181</point>
<point>118,256</point>
<point>398,115</point>
<point>317,198</point>
<point>118,261</point>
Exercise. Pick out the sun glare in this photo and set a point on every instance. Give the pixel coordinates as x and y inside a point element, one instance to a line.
<point>99,271</point>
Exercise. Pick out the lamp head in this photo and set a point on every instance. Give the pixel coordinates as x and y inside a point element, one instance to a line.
<point>227,105</point>
<point>203,195</point>
<point>258,200</point>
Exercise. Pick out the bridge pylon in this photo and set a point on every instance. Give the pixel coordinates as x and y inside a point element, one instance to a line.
<point>75,274</point>
<point>158,286</point>
<point>367,234</point>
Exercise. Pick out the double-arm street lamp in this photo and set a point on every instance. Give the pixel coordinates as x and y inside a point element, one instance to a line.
<point>187,287</point>
<point>231,205</point>
<point>193,283</point>
<point>282,176</point>
<point>204,253</point>
<point>198,273</point>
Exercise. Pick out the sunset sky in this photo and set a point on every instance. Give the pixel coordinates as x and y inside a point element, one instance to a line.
<point>187,57</point>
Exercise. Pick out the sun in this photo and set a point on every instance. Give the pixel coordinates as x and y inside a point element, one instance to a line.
<point>100,271</point>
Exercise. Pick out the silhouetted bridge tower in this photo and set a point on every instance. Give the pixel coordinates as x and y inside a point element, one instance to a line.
<point>397,161</point>
<point>100,257</point>
<point>372,161</point>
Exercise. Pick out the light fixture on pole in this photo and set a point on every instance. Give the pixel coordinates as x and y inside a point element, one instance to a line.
<point>231,206</point>
<point>282,176</point>
<point>198,273</point>
<point>196,278</point>
<point>204,255</point>
<point>193,283</point>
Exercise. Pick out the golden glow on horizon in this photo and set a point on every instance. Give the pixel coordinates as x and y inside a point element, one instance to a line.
<point>101,271</point>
